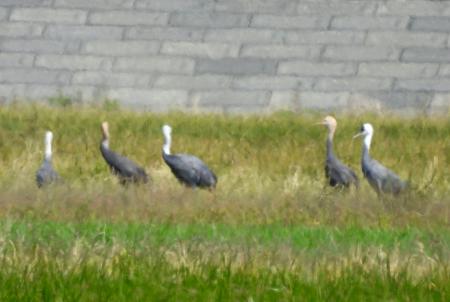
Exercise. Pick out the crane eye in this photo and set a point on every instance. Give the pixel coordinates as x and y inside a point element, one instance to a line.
<point>362,128</point>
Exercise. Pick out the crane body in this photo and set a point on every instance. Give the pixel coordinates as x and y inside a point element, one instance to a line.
<point>188,169</point>
<point>126,170</point>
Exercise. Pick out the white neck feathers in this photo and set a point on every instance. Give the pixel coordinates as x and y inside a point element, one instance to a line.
<point>48,145</point>
<point>167,143</point>
<point>368,140</point>
<point>167,139</point>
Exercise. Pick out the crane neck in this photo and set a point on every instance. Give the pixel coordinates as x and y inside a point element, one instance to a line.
<point>331,130</point>
<point>330,146</point>
<point>367,141</point>
<point>48,149</point>
<point>167,143</point>
<point>105,143</point>
<point>366,145</point>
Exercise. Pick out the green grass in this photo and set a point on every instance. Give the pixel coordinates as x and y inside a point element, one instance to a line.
<point>100,261</point>
<point>271,231</point>
<point>59,234</point>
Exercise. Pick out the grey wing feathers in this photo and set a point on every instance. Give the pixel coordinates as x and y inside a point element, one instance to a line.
<point>191,170</point>
<point>46,175</point>
<point>339,174</point>
<point>382,179</point>
<point>125,168</point>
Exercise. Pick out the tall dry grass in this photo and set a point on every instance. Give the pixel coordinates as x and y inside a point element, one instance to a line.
<point>270,168</point>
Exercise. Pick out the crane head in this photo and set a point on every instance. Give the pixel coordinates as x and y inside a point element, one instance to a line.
<point>167,130</point>
<point>366,129</point>
<point>330,122</point>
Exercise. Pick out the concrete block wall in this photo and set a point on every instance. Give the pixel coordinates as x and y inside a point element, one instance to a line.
<point>230,55</point>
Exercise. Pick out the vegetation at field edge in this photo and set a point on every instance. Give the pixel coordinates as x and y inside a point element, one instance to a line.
<point>272,230</point>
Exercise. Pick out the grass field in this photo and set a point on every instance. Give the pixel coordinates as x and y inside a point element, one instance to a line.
<point>271,231</point>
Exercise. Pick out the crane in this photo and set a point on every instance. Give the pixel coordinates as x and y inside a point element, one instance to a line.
<point>46,175</point>
<point>381,179</point>
<point>338,174</point>
<point>188,169</point>
<point>124,168</point>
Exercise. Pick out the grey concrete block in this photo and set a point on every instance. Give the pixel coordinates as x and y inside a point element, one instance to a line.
<point>71,16</point>
<point>441,24</point>
<point>156,100</point>
<point>440,104</point>
<point>42,92</point>
<point>369,22</point>
<point>245,35</point>
<point>444,70</point>
<point>76,32</point>
<point>306,68</point>
<point>403,102</point>
<point>16,60</point>
<point>37,76</point>
<point>165,33</point>
<point>414,8</point>
<point>209,19</point>
<point>290,22</point>
<point>324,37</point>
<point>311,100</point>
<point>39,92</point>
<point>272,83</point>
<point>281,51</point>
<point>284,100</point>
<point>398,70</point>
<point>176,5</point>
<point>361,102</point>
<point>230,101</point>
<point>235,66</point>
<point>352,84</point>
<point>100,4</point>
<point>332,7</point>
<point>156,64</point>
<point>26,2</point>
<point>423,84</point>
<point>205,50</point>
<point>20,30</point>
<point>201,82</point>
<point>36,46</point>
<point>407,39</point>
<point>108,79</point>
<point>121,48</point>
<point>3,13</point>
<point>73,62</point>
<point>361,53</point>
<point>426,55</point>
<point>242,109</point>
<point>128,18</point>
<point>261,6</point>
<point>9,92</point>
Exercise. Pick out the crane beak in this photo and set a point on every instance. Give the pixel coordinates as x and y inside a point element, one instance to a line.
<point>357,135</point>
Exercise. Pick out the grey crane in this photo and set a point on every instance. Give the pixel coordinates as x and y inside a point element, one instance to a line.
<point>379,177</point>
<point>188,169</point>
<point>46,175</point>
<point>124,168</point>
<point>338,174</point>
